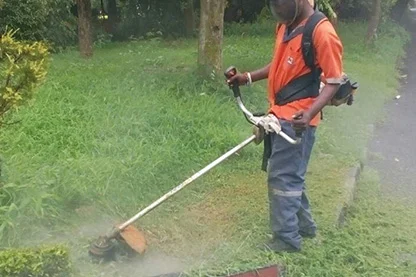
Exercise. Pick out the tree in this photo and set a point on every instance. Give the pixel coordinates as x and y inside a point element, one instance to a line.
<point>26,16</point>
<point>211,32</point>
<point>84,27</point>
<point>374,21</point>
<point>40,20</point>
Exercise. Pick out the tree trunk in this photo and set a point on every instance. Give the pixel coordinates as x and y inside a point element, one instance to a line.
<point>84,28</point>
<point>189,18</point>
<point>374,21</point>
<point>211,31</point>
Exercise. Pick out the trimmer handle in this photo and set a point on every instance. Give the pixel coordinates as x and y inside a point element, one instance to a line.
<point>255,119</point>
<point>235,86</point>
<point>298,132</point>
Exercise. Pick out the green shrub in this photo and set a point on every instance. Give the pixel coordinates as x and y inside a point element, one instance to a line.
<point>61,26</point>
<point>138,19</point>
<point>22,69</point>
<point>41,20</point>
<point>40,262</point>
<point>28,16</point>
<point>263,27</point>
<point>362,8</point>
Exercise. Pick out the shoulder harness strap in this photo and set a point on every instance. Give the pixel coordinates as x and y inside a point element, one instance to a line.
<point>305,86</point>
<point>308,50</point>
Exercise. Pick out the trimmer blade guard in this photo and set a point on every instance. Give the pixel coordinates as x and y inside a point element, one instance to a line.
<point>134,238</point>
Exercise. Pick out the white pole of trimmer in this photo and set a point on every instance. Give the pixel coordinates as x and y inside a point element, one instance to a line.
<point>185,183</point>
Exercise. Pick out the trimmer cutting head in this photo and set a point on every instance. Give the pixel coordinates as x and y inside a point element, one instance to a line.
<point>102,248</point>
<point>130,241</point>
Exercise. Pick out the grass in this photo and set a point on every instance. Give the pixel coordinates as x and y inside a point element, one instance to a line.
<point>378,240</point>
<point>107,136</point>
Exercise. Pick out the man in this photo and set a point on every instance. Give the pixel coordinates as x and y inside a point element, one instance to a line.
<point>290,214</point>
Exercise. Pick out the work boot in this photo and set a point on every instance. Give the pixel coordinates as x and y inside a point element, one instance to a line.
<point>307,234</point>
<point>279,246</point>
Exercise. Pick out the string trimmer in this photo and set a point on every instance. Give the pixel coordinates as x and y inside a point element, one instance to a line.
<point>104,247</point>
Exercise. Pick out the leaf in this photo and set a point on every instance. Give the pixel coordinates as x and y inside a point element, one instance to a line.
<point>25,70</point>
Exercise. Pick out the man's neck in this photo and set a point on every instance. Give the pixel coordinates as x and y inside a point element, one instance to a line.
<point>304,13</point>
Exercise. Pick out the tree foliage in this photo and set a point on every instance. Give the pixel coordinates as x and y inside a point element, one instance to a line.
<point>22,68</point>
<point>51,20</point>
<point>362,8</point>
<point>149,18</point>
<point>46,20</point>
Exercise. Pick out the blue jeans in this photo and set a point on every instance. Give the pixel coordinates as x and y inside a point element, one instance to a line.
<point>289,205</point>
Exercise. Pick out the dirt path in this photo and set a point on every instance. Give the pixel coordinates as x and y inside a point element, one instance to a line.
<point>393,148</point>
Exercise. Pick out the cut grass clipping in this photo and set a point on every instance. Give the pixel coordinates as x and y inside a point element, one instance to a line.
<point>108,136</point>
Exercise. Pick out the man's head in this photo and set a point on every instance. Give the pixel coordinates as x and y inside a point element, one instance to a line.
<point>288,11</point>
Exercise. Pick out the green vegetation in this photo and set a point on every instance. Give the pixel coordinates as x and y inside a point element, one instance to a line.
<point>107,136</point>
<point>23,68</point>
<point>39,262</point>
<point>46,20</point>
<point>378,240</point>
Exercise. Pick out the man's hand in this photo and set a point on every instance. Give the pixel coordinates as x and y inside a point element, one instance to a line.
<point>301,120</point>
<point>256,75</point>
<point>240,78</point>
<point>323,99</point>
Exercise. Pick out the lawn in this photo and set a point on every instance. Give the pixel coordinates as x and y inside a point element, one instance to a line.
<point>107,136</point>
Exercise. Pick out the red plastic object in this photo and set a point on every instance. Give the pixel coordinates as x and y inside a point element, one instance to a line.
<point>271,271</point>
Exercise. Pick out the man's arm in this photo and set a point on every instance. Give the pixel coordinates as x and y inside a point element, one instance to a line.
<point>329,52</point>
<point>256,75</point>
<point>260,74</point>
<point>303,118</point>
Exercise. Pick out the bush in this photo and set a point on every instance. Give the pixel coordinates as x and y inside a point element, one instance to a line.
<point>263,27</point>
<point>61,26</point>
<point>41,262</point>
<point>141,17</point>
<point>41,20</point>
<point>362,9</point>
<point>22,69</point>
